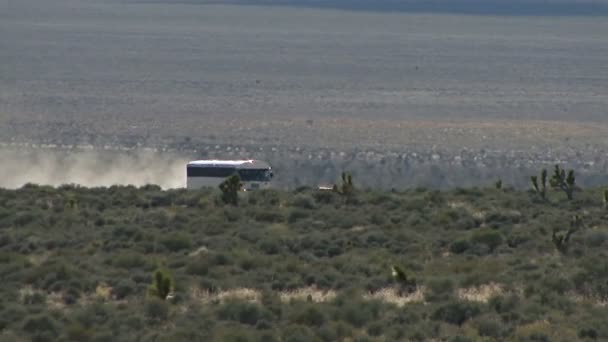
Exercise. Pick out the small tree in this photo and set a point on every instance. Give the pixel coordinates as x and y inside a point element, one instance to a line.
<point>561,240</point>
<point>347,187</point>
<point>540,189</point>
<point>230,189</point>
<point>405,284</point>
<point>606,199</point>
<point>498,184</point>
<point>566,183</point>
<point>162,284</point>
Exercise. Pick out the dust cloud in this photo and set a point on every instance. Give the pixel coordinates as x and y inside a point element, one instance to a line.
<point>90,168</point>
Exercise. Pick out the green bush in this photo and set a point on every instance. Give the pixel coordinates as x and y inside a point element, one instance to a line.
<point>456,312</point>
<point>156,309</point>
<point>129,260</point>
<point>176,242</point>
<point>460,246</point>
<point>199,265</point>
<point>41,326</point>
<point>310,316</point>
<point>242,312</point>
<point>489,328</point>
<point>439,289</point>
<point>303,201</point>
<point>490,239</point>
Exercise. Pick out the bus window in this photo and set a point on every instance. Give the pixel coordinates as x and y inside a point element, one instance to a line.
<point>221,172</point>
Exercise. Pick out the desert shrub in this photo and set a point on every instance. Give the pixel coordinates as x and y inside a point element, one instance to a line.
<point>269,246</point>
<point>95,314</point>
<point>176,242</point>
<point>363,339</point>
<point>596,239</point>
<point>517,239</point>
<point>460,246</point>
<point>13,312</point>
<point>265,197</point>
<point>439,289</point>
<point>497,219</point>
<point>435,197</point>
<point>357,314</point>
<point>325,197</point>
<point>103,336</point>
<point>488,327</point>
<point>503,304</point>
<point>296,215</point>
<point>303,201</point>
<point>199,265</point>
<point>456,312</point>
<point>24,218</point>
<point>298,333</point>
<point>335,330</point>
<point>232,214</point>
<point>160,199</point>
<point>53,274</point>
<point>490,239</point>
<point>124,288</point>
<point>242,312</point>
<point>588,333</point>
<point>235,335</point>
<point>6,240</point>
<point>35,298</point>
<point>271,216</point>
<point>417,204</point>
<point>310,316</point>
<point>156,309</point>
<point>461,339</point>
<point>41,327</point>
<point>375,329</point>
<point>556,284</point>
<point>77,333</point>
<point>129,260</point>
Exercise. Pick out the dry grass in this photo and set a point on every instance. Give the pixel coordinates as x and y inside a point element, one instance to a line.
<point>392,295</point>
<point>38,259</point>
<point>310,293</point>
<point>103,291</point>
<point>476,213</point>
<point>245,294</point>
<point>198,251</point>
<point>388,295</point>
<point>26,292</point>
<point>481,293</point>
<point>54,300</point>
<point>579,298</point>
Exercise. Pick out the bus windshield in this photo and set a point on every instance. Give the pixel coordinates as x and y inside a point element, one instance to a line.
<point>255,175</point>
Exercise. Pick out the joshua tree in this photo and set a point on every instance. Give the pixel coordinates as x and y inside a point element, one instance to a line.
<point>540,189</point>
<point>566,183</point>
<point>561,240</point>
<point>498,184</point>
<point>347,187</point>
<point>230,189</point>
<point>162,285</point>
<point>405,284</point>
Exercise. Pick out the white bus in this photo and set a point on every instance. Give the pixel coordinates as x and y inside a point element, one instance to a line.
<point>255,174</point>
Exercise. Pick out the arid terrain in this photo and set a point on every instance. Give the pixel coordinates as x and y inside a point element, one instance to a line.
<point>398,98</point>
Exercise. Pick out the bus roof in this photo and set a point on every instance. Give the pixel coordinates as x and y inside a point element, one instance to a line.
<point>241,164</point>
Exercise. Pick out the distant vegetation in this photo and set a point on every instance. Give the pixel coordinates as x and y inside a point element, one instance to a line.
<point>126,263</point>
